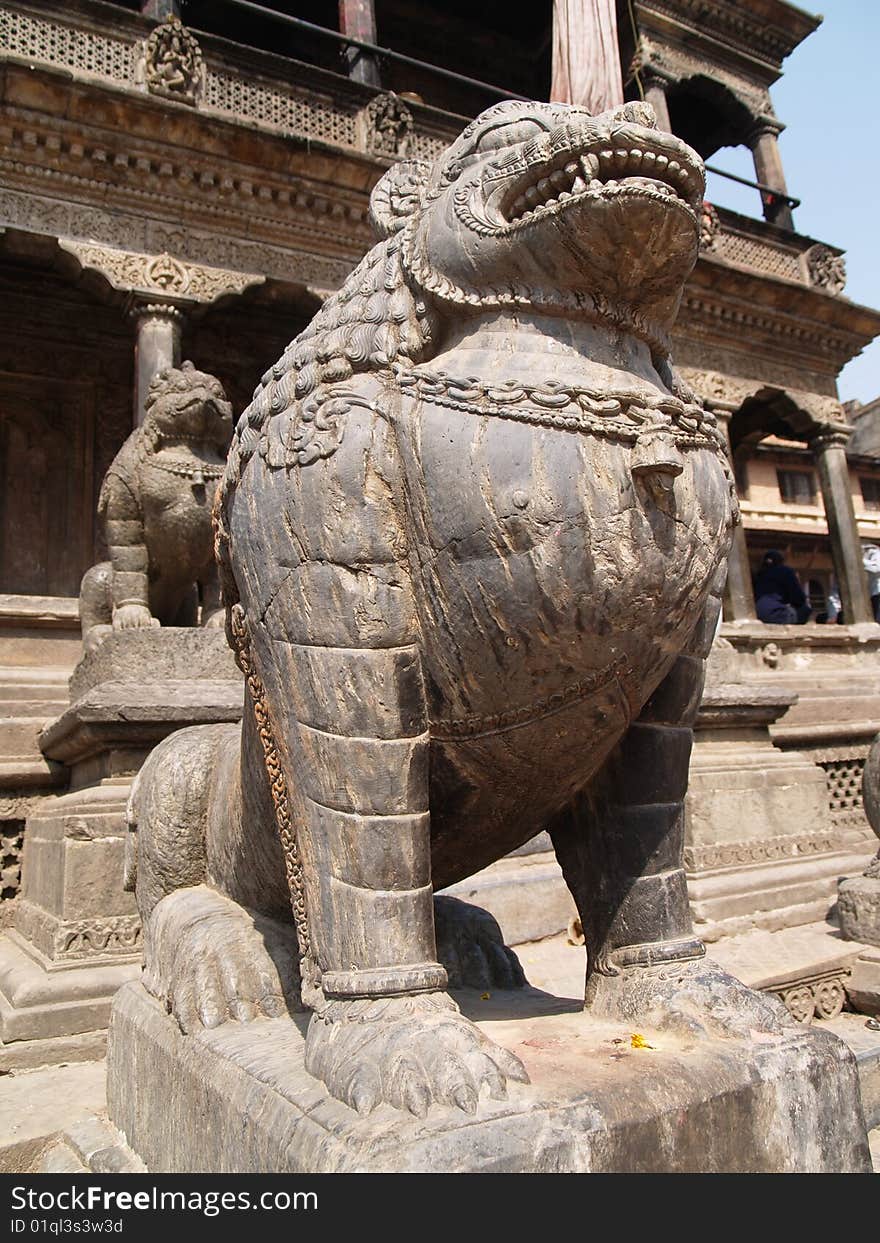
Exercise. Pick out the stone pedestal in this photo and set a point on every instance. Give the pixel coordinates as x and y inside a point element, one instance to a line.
<point>858,906</point>
<point>760,849</point>
<point>595,1103</point>
<point>75,935</point>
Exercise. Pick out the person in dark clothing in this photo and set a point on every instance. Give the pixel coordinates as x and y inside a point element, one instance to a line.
<point>779,597</point>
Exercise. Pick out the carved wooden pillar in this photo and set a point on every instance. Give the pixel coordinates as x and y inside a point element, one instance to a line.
<point>357,18</point>
<point>846,551</point>
<point>739,596</point>
<point>768,170</point>
<point>655,94</point>
<point>157,347</point>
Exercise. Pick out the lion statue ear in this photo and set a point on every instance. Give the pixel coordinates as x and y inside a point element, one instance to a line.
<point>396,196</point>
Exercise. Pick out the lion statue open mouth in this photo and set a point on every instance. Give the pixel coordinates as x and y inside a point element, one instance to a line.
<point>472,534</point>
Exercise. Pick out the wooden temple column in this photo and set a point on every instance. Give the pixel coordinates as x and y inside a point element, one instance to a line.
<point>654,86</point>
<point>739,596</point>
<point>846,551</point>
<point>768,171</point>
<point>357,18</point>
<point>157,347</point>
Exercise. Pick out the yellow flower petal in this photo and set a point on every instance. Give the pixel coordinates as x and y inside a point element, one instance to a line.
<point>639,1042</point>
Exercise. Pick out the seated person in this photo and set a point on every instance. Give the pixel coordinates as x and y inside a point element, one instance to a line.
<point>779,597</point>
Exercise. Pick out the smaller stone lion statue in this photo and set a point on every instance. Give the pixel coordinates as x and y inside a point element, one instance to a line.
<point>155,513</point>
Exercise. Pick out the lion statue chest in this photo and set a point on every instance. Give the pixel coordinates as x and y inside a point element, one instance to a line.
<point>176,498</point>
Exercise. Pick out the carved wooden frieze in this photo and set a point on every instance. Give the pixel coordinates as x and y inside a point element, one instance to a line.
<point>160,274</point>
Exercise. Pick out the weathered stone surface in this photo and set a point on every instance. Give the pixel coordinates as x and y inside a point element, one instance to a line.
<point>595,1103</point>
<point>858,899</point>
<point>155,511</point>
<point>75,933</point>
<point>35,1107</point>
<point>858,904</point>
<point>863,986</point>
<point>526,894</point>
<point>393,536</point>
<point>144,656</point>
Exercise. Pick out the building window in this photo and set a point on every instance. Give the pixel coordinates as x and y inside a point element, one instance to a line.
<point>797,487</point>
<point>870,492</point>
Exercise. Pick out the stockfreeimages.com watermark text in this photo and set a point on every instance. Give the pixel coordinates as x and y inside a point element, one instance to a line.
<point>97,1199</point>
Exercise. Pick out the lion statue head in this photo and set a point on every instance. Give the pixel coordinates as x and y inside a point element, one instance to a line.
<point>186,404</point>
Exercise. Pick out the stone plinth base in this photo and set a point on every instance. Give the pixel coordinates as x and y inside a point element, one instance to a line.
<point>237,1099</point>
<point>55,1012</point>
<point>863,986</point>
<point>858,907</point>
<point>74,932</point>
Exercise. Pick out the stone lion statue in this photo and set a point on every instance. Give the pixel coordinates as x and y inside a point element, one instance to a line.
<point>155,513</point>
<point>472,534</point>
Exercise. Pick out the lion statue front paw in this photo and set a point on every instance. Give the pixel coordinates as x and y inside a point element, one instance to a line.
<point>409,1052</point>
<point>210,961</point>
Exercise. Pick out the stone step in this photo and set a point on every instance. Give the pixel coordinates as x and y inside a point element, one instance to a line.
<point>38,1106</point>
<point>18,708</point>
<point>18,735</point>
<point>30,772</point>
<point>90,1145</point>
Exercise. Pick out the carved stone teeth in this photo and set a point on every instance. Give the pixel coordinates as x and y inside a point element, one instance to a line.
<point>635,158</point>
<point>544,187</point>
<point>578,185</point>
<point>595,184</point>
<point>605,157</point>
<point>661,162</point>
<point>611,184</point>
<point>673,168</point>
<point>550,203</point>
<point>559,179</point>
<point>573,169</point>
<point>648,160</point>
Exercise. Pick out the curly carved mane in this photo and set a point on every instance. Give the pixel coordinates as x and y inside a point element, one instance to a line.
<point>371,322</point>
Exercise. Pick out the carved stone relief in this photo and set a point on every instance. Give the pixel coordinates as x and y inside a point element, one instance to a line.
<point>826,268</point>
<point>710,225</point>
<point>387,125</point>
<point>173,66</point>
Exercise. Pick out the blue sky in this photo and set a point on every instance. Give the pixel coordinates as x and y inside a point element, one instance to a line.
<point>827,98</point>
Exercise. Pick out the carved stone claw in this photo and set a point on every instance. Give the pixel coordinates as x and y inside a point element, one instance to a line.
<point>471,947</point>
<point>691,998</point>
<point>133,617</point>
<point>409,1052</point>
<point>210,961</point>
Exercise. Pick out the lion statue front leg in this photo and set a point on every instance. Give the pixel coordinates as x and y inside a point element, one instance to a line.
<point>327,631</point>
